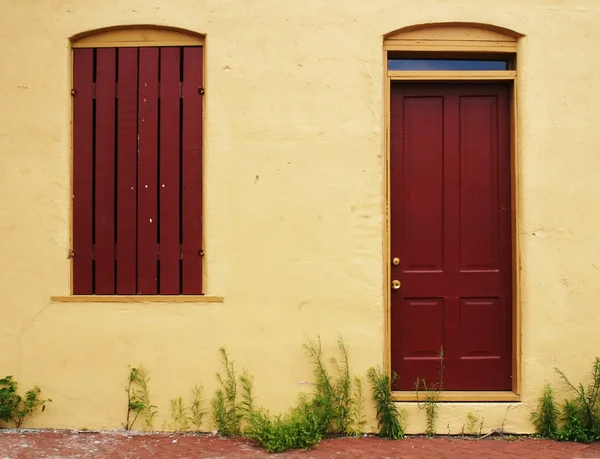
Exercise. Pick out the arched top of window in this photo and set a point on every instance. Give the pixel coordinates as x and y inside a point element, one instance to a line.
<point>452,37</point>
<point>136,36</point>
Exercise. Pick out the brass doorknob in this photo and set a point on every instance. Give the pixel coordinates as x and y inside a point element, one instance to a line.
<point>396,284</point>
<point>396,261</point>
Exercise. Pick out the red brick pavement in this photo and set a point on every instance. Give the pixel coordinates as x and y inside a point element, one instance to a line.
<point>113,445</point>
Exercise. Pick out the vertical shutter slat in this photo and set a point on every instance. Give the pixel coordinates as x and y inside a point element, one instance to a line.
<point>127,172</point>
<point>105,171</point>
<point>169,170</point>
<point>147,171</point>
<point>192,171</point>
<point>83,67</point>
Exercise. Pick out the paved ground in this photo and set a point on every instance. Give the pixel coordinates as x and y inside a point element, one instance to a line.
<point>112,445</point>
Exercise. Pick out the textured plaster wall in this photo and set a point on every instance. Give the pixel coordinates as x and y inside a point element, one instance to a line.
<point>293,200</point>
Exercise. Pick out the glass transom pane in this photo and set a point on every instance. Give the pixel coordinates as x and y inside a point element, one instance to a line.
<point>445,64</point>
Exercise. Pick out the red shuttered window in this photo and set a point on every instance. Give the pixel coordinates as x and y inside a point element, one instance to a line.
<point>137,160</point>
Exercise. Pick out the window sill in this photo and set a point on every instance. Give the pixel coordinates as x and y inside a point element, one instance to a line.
<point>461,396</point>
<point>137,299</point>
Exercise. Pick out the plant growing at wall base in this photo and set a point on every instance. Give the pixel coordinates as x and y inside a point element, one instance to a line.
<point>573,430</point>
<point>332,397</point>
<point>179,415</point>
<point>581,415</point>
<point>300,429</point>
<point>342,390</point>
<point>388,417</point>
<point>184,417</point>
<point>197,411</point>
<point>138,398</point>
<point>227,410</point>
<point>358,407</point>
<point>247,404</point>
<point>15,408</point>
<point>430,404</point>
<point>545,416</point>
<point>432,396</point>
<point>332,408</point>
<point>472,422</point>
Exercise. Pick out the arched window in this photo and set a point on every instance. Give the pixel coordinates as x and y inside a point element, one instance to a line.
<point>137,162</point>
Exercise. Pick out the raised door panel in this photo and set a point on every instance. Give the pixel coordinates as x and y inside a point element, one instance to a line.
<point>423,184</point>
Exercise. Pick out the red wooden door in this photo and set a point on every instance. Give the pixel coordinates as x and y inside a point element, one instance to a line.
<point>451,229</point>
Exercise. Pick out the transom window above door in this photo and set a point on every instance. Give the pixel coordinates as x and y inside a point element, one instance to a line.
<point>446,64</point>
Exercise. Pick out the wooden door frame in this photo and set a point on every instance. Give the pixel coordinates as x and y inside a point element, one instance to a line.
<point>510,78</point>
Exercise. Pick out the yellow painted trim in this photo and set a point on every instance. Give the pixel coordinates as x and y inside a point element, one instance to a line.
<point>516,247</point>
<point>387,277</point>
<point>387,256</point>
<point>461,396</point>
<point>447,46</point>
<point>137,36</point>
<point>394,43</point>
<point>492,75</point>
<point>137,299</point>
<point>475,31</point>
<point>452,37</point>
<point>71,171</point>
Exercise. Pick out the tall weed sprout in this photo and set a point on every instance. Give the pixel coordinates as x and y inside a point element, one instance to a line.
<point>388,417</point>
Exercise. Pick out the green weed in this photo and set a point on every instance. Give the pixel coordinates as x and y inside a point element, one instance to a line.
<point>15,408</point>
<point>179,415</point>
<point>335,407</point>
<point>581,415</point>
<point>138,398</point>
<point>472,422</point>
<point>388,417</point>
<point>227,410</point>
<point>545,417</point>
<point>301,429</point>
<point>358,407</point>
<point>247,403</point>
<point>332,397</point>
<point>432,395</point>
<point>573,429</point>
<point>196,411</point>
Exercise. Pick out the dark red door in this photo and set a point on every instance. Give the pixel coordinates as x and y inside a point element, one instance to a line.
<point>451,230</point>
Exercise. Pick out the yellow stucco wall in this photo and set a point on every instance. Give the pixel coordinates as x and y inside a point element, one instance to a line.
<point>293,200</point>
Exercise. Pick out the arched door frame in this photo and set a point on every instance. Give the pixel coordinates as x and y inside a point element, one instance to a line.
<point>457,40</point>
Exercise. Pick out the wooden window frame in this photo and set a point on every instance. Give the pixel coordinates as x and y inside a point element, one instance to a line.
<point>137,36</point>
<point>459,41</point>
